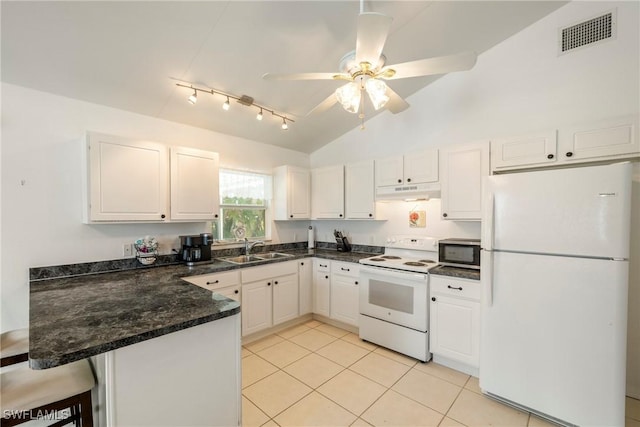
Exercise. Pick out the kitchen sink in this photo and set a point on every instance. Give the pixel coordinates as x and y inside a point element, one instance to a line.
<point>273,255</point>
<point>242,259</point>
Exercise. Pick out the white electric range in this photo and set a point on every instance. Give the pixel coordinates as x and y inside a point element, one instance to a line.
<point>394,295</point>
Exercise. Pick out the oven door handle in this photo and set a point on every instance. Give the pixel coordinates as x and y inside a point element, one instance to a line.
<point>372,271</point>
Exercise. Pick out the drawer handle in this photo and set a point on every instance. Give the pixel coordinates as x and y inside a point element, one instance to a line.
<point>344,269</point>
<point>325,266</point>
<point>453,287</point>
<point>213,283</point>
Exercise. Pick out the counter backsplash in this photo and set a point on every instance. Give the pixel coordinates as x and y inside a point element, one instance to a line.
<point>70,270</point>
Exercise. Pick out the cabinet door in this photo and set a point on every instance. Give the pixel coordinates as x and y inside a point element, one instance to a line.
<point>455,329</point>
<point>421,167</point>
<point>389,171</point>
<point>524,150</point>
<point>256,306</point>
<point>285,298</point>
<point>344,299</point>
<point>298,197</point>
<point>612,138</point>
<point>127,180</point>
<point>305,283</point>
<point>327,192</point>
<point>462,170</point>
<point>321,293</point>
<point>360,190</point>
<point>194,185</point>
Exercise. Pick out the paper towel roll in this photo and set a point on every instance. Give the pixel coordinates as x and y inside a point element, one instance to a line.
<point>311,238</point>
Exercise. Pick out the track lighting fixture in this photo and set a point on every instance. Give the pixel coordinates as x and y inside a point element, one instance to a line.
<point>245,100</point>
<point>193,98</point>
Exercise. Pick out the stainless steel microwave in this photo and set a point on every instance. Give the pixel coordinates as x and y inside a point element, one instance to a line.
<point>463,253</point>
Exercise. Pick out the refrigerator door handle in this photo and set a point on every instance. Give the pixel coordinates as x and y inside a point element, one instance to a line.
<point>487,223</point>
<point>486,277</point>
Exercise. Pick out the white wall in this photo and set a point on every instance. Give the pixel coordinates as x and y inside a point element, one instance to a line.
<point>42,136</point>
<point>517,87</point>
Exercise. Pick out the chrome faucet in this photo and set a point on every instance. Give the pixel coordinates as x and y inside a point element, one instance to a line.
<point>249,245</point>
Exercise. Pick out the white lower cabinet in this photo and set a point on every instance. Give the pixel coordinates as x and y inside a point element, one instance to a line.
<point>455,322</point>
<point>345,292</point>
<point>305,281</point>
<point>321,286</point>
<point>269,295</point>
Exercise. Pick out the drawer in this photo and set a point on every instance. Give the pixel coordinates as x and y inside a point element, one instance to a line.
<point>322,265</point>
<point>232,292</point>
<point>462,288</point>
<point>215,280</point>
<point>345,268</point>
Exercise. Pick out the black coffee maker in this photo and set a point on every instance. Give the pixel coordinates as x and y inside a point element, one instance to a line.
<point>196,248</point>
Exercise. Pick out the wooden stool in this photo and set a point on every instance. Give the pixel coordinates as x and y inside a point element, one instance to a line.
<point>27,394</point>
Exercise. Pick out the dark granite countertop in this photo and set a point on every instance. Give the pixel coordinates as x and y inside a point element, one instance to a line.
<point>462,273</point>
<point>76,317</point>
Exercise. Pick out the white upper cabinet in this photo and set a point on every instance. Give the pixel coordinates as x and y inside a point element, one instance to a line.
<point>127,180</point>
<point>138,181</point>
<point>327,192</point>
<point>194,185</point>
<point>413,168</point>
<point>291,188</point>
<point>610,139</point>
<point>534,149</point>
<point>463,167</point>
<point>360,190</point>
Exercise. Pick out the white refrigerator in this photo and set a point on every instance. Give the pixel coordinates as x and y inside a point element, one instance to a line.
<point>555,279</point>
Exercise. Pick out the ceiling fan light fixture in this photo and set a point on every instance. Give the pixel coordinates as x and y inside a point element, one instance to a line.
<point>193,98</point>
<point>377,90</point>
<point>349,97</point>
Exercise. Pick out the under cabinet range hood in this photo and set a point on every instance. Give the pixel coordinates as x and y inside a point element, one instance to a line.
<point>408,192</point>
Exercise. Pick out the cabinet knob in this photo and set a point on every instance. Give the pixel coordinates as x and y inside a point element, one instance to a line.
<point>340,215</point>
<point>550,156</point>
<point>370,215</point>
<point>302,263</point>
<point>453,287</point>
<point>290,216</point>
<point>408,179</point>
<point>215,215</point>
<point>445,215</point>
<point>268,283</point>
<point>213,283</point>
<point>236,291</point>
<point>326,277</point>
<point>399,181</point>
<point>275,283</point>
<point>433,298</point>
<point>569,154</point>
<point>356,282</point>
<point>163,216</point>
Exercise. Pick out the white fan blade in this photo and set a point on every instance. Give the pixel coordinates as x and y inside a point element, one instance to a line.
<point>324,105</point>
<point>301,76</point>
<point>396,104</point>
<point>373,29</point>
<point>430,66</point>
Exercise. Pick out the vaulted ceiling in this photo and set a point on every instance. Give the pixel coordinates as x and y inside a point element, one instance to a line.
<point>130,55</point>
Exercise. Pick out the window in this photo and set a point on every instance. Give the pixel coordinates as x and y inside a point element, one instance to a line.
<point>244,205</point>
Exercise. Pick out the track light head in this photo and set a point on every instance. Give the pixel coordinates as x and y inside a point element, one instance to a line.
<point>259,116</point>
<point>284,124</point>
<point>226,105</point>
<point>193,98</point>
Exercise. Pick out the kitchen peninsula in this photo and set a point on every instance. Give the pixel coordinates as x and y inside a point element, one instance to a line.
<point>165,352</point>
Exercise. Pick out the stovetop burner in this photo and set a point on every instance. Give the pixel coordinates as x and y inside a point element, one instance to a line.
<point>414,263</point>
<point>377,259</point>
<point>390,257</point>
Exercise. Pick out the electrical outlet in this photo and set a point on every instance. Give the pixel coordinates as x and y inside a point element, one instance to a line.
<point>127,250</point>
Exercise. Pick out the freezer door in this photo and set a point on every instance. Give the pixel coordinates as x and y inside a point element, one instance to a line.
<point>579,211</point>
<point>554,337</point>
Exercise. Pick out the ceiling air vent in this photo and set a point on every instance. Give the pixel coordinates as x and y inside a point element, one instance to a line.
<point>589,32</point>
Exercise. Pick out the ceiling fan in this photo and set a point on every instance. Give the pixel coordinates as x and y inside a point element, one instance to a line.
<point>365,70</point>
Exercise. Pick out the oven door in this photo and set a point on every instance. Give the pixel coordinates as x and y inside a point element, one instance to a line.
<point>395,296</point>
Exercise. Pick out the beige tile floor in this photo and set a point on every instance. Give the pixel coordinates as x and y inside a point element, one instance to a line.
<point>319,375</point>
